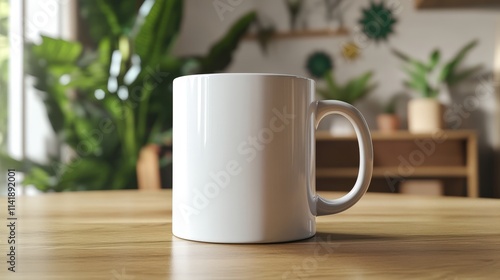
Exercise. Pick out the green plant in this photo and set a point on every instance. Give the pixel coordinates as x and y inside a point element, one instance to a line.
<point>427,77</point>
<point>107,102</point>
<point>355,89</point>
<point>320,65</point>
<point>108,18</point>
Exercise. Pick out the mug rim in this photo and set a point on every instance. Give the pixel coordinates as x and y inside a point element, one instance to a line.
<point>265,75</point>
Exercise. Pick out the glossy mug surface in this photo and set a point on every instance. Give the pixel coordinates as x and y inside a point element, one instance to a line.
<point>244,158</point>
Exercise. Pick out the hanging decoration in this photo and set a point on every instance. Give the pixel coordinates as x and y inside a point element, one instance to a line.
<point>319,64</point>
<point>378,21</point>
<point>350,51</point>
<point>294,8</point>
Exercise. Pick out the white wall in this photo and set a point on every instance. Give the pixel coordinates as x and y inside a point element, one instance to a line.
<point>417,33</point>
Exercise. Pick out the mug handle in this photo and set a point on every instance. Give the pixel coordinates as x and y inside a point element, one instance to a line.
<point>328,107</point>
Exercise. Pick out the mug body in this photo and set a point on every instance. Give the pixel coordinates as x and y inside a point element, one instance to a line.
<point>243,166</point>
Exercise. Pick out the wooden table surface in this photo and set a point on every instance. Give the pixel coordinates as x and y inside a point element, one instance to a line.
<point>127,235</point>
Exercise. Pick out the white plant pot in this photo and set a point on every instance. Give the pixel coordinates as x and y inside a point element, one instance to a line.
<point>425,115</point>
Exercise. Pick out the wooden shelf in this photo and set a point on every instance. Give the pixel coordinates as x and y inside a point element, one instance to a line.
<point>420,172</point>
<point>397,135</point>
<point>449,155</point>
<point>450,4</point>
<point>304,34</point>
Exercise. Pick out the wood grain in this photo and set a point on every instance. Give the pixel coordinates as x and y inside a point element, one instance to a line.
<point>127,235</point>
<point>321,33</point>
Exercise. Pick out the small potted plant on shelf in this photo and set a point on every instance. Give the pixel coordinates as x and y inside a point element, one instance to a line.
<point>320,66</point>
<point>389,121</point>
<point>431,78</point>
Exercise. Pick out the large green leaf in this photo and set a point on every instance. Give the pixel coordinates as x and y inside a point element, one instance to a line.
<point>160,106</point>
<point>157,26</point>
<point>111,18</point>
<point>434,59</point>
<point>331,84</point>
<point>418,71</point>
<point>424,88</point>
<point>20,165</point>
<point>107,18</point>
<point>58,108</point>
<point>57,51</point>
<point>352,91</point>
<point>418,77</point>
<point>94,74</point>
<point>85,133</point>
<point>84,174</point>
<point>359,87</point>
<point>39,178</point>
<point>4,26</point>
<point>404,57</point>
<point>220,54</point>
<point>42,63</point>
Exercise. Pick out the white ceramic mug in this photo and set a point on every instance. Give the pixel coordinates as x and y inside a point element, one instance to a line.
<point>244,158</point>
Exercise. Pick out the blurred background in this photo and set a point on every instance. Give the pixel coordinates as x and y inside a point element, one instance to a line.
<point>85,86</point>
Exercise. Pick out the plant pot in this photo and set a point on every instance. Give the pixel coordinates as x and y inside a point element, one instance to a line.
<point>388,122</point>
<point>425,115</point>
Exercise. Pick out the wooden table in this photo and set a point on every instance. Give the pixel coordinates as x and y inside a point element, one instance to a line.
<point>127,235</point>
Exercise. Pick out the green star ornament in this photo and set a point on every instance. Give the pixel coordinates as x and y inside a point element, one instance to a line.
<point>377,21</point>
<point>319,63</point>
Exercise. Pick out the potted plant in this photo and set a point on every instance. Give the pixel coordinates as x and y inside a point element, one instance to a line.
<point>108,101</point>
<point>430,78</point>
<point>320,66</point>
<point>389,121</point>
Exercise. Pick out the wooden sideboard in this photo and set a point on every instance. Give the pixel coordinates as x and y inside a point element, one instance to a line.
<point>449,156</point>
